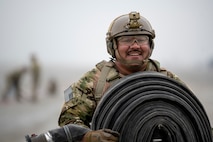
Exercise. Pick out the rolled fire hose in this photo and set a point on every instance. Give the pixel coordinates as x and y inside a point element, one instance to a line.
<point>150,107</point>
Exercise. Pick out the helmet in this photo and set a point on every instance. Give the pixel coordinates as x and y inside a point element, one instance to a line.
<point>128,24</point>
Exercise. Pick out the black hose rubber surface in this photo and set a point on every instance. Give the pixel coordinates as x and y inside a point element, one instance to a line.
<point>150,107</point>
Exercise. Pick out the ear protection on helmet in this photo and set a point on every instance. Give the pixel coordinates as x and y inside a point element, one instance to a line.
<point>110,47</point>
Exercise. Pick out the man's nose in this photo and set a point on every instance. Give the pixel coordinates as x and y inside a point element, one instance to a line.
<point>135,43</point>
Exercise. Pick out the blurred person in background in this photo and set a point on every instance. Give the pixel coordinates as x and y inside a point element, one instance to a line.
<point>52,87</point>
<point>13,81</point>
<point>35,73</point>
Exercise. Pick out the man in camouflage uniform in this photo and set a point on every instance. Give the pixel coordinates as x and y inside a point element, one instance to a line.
<point>130,43</point>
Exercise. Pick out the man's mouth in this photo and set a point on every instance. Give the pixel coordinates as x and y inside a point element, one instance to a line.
<point>134,53</point>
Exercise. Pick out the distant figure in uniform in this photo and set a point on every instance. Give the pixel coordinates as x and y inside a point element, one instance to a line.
<point>52,87</point>
<point>35,71</point>
<point>13,81</point>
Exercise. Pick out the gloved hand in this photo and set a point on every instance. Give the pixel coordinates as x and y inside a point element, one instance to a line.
<point>103,135</point>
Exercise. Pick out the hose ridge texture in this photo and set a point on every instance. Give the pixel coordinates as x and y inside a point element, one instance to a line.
<point>150,107</point>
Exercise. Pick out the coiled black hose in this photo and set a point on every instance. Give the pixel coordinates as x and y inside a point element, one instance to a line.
<point>150,107</point>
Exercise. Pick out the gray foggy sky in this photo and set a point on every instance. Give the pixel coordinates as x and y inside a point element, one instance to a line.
<point>68,31</point>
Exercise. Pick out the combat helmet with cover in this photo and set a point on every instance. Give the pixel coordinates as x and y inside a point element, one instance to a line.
<point>128,24</point>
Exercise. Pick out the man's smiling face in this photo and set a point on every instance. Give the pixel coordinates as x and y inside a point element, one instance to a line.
<point>133,49</point>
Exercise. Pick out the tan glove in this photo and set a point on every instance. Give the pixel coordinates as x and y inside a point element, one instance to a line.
<point>103,135</point>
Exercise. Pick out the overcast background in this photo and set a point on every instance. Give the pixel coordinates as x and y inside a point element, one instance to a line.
<point>67,31</point>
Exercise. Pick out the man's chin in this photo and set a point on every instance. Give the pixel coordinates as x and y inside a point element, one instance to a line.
<point>134,65</point>
<point>134,62</point>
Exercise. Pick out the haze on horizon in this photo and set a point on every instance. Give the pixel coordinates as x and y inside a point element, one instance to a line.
<point>67,32</point>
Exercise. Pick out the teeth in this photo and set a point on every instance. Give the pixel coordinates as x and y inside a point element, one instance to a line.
<point>134,53</point>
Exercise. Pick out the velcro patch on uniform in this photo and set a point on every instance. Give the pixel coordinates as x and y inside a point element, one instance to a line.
<point>68,94</point>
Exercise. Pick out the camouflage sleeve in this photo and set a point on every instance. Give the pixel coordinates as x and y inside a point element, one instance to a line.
<point>80,108</point>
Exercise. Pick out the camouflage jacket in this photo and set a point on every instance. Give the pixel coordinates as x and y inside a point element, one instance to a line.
<point>80,108</point>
